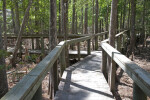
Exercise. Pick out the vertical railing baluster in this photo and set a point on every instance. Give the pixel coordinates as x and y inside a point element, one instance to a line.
<point>32,39</point>
<point>89,46</point>
<point>112,75</point>
<point>78,51</point>
<point>55,72</point>
<point>42,46</point>
<point>38,94</point>
<point>138,94</point>
<point>104,62</point>
<point>96,43</point>
<point>62,61</point>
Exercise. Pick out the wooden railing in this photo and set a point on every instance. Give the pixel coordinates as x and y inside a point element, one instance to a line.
<point>30,86</point>
<point>141,78</point>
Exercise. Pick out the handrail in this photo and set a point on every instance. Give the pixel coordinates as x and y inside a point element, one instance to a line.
<point>140,77</point>
<point>26,89</point>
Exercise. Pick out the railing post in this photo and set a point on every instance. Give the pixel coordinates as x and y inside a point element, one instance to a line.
<point>138,94</point>
<point>78,51</point>
<point>118,43</point>
<point>32,43</point>
<point>96,43</point>
<point>62,61</point>
<point>55,72</point>
<point>104,63</point>
<point>67,55</point>
<point>89,46</point>
<point>42,46</point>
<point>111,79</point>
<point>101,37</point>
<point>38,94</point>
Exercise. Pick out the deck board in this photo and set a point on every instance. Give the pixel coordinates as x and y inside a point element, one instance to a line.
<point>84,81</point>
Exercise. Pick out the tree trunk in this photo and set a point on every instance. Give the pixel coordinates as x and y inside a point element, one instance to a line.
<point>37,23</point>
<point>25,19</point>
<point>112,32</point>
<point>113,23</point>
<point>5,28</point>
<point>124,14</point>
<point>129,14</point>
<point>73,17</point>
<point>3,76</point>
<point>59,30</point>
<point>96,25</point>
<point>143,24</point>
<point>132,28</point>
<point>82,21</point>
<point>76,25</point>
<point>106,19</point>
<point>86,20</point>
<point>53,41</point>
<point>17,21</point>
<point>13,21</point>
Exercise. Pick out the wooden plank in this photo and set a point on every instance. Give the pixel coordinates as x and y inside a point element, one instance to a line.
<point>138,75</point>
<point>84,81</point>
<point>68,42</point>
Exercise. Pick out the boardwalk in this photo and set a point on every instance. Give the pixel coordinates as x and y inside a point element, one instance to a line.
<point>84,81</point>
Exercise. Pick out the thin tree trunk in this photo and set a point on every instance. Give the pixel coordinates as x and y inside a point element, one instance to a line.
<point>124,14</point>
<point>17,21</point>
<point>86,20</point>
<point>143,24</point>
<point>129,14</point>
<point>53,41</point>
<point>37,23</point>
<point>4,28</point>
<point>113,23</point>
<point>3,76</point>
<point>132,28</point>
<point>73,17</point>
<point>76,24</point>
<point>59,30</point>
<point>112,32</point>
<point>13,21</point>
<point>82,20</point>
<point>106,19</point>
<point>25,19</point>
<point>96,25</point>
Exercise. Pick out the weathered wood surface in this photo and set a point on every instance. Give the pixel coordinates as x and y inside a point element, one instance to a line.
<point>84,81</point>
<point>28,86</point>
<point>136,73</point>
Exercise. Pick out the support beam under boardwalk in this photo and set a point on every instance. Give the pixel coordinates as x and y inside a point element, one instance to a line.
<point>84,81</point>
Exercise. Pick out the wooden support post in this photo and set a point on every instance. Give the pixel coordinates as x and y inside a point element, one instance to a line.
<point>96,43</point>
<point>67,55</point>
<point>38,94</point>
<point>89,46</point>
<point>104,63</point>
<point>62,61</point>
<point>78,51</point>
<point>118,43</point>
<point>138,94</point>
<point>55,72</point>
<point>111,79</point>
<point>102,37</point>
<point>32,43</point>
<point>42,46</point>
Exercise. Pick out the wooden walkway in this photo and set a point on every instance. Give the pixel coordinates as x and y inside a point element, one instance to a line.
<point>84,81</point>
